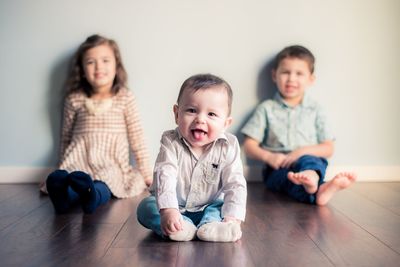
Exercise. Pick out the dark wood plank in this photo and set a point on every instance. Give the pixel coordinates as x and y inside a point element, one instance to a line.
<point>198,253</point>
<point>358,228</point>
<point>274,237</point>
<point>152,255</point>
<point>341,240</point>
<point>380,222</point>
<point>11,190</point>
<point>16,206</point>
<point>382,194</point>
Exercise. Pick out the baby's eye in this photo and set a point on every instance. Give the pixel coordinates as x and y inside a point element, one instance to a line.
<point>191,110</point>
<point>212,114</point>
<point>300,73</point>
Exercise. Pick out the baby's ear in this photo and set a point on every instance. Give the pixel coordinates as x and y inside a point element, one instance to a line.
<point>175,110</point>
<point>228,122</point>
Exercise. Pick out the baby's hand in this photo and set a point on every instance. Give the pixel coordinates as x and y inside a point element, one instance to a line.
<point>171,221</point>
<point>276,160</point>
<point>231,219</point>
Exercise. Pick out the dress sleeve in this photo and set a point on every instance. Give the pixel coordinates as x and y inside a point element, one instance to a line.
<point>69,115</point>
<point>136,137</point>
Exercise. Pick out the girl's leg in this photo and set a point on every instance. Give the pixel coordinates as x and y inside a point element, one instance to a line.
<point>91,193</point>
<point>60,193</point>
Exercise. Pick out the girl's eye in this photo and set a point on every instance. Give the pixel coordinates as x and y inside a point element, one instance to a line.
<point>89,62</point>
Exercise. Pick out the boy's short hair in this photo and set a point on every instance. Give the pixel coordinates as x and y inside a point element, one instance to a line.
<point>206,81</point>
<point>295,51</point>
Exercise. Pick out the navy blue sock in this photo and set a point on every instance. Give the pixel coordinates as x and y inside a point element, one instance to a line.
<point>57,187</point>
<point>83,185</point>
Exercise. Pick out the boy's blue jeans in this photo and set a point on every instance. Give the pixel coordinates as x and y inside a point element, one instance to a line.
<point>277,180</point>
<point>149,216</point>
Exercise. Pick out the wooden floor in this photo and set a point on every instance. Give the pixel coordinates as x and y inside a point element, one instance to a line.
<point>360,227</point>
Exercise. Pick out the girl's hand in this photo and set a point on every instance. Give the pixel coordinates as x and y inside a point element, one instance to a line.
<point>171,221</point>
<point>276,160</point>
<point>148,181</point>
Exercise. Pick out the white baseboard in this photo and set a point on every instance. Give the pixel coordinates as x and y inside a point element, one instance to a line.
<point>19,174</point>
<point>364,173</point>
<point>252,173</point>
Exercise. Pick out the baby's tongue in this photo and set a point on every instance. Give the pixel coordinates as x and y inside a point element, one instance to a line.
<point>198,134</point>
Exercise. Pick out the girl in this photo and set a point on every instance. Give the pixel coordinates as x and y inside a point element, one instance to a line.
<point>100,121</point>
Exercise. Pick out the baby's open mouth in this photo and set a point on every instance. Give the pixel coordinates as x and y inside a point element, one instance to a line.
<point>198,134</point>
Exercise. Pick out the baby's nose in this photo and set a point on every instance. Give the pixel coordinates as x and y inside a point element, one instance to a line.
<point>200,118</point>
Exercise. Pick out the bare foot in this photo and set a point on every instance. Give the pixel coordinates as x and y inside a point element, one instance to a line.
<point>341,181</point>
<point>308,179</point>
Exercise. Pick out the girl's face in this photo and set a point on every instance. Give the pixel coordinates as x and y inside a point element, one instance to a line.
<point>100,68</point>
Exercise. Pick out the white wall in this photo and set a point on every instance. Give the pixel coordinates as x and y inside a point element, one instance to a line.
<point>356,44</point>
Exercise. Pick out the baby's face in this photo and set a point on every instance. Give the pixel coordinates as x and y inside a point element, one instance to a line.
<point>202,116</point>
<point>293,77</point>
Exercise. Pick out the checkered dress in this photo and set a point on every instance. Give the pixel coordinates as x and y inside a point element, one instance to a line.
<point>98,141</point>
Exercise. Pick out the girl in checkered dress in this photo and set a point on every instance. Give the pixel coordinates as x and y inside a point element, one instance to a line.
<point>100,128</point>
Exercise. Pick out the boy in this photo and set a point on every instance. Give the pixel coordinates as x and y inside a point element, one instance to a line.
<point>290,135</point>
<point>199,187</point>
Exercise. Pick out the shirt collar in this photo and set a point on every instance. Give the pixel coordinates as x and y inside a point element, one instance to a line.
<point>304,103</point>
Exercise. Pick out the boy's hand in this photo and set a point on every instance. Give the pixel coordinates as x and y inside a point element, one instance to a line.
<point>171,221</point>
<point>291,158</point>
<point>276,160</point>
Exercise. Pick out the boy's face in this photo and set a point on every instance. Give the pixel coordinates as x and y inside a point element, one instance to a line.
<point>100,67</point>
<point>293,77</point>
<point>202,115</point>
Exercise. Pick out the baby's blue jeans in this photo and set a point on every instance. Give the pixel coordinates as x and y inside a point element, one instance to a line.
<point>277,180</point>
<point>149,216</point>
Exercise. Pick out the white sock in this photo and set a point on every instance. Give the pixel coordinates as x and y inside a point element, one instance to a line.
<point>186,234</point>
<point>220,232</point>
